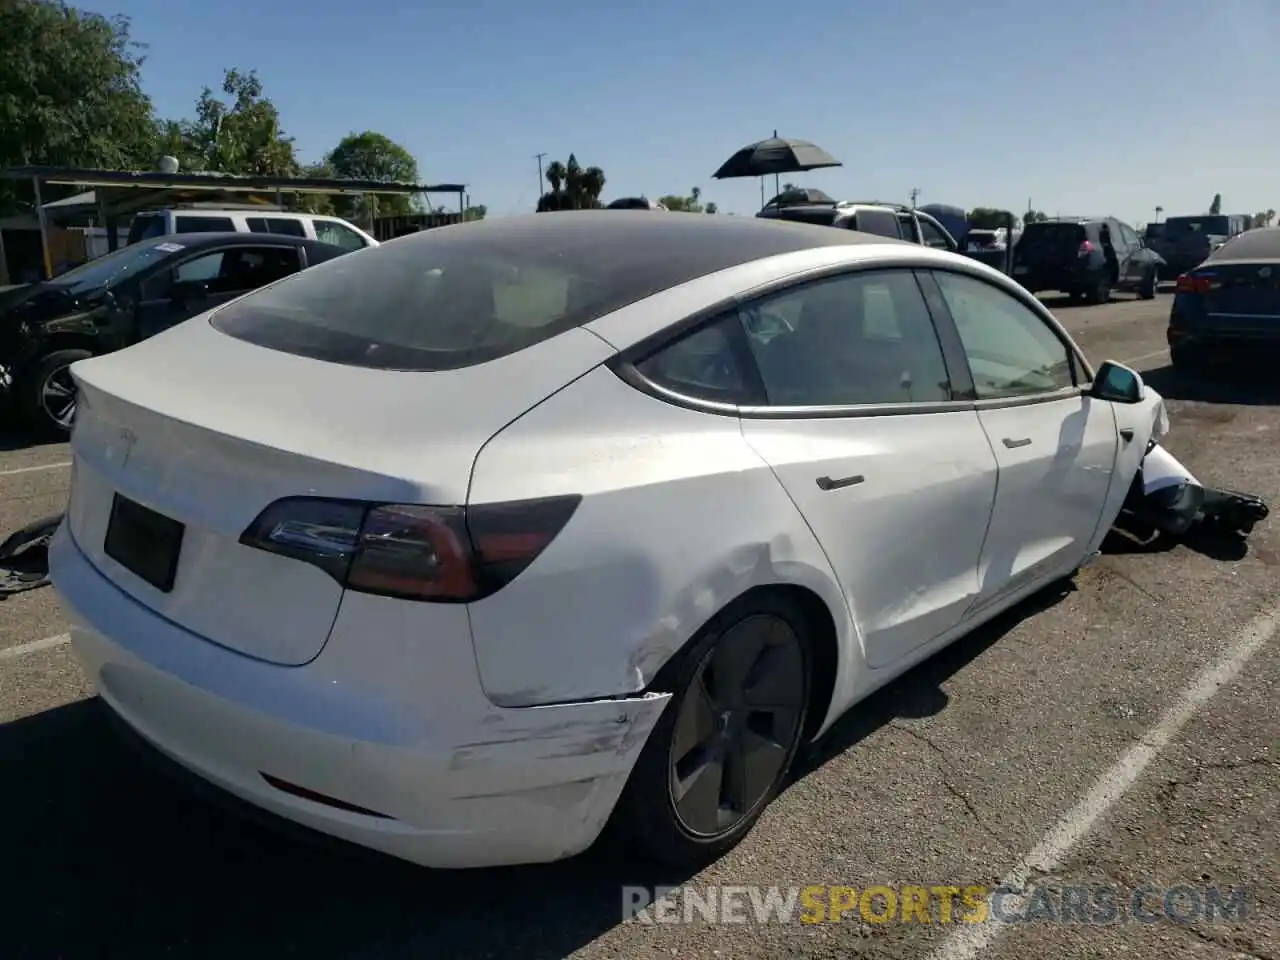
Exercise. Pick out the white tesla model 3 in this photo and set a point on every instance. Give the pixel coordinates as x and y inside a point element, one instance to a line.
<point>467,546</point>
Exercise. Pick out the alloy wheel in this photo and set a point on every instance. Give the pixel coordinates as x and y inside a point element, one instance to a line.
<point>58,396</point>
<point>738,725</point>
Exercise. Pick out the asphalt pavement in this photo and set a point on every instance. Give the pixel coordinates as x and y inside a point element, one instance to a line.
<point>1118,740</point>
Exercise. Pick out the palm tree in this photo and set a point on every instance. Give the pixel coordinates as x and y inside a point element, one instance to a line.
<point>556,174</point>
<point>694,194</point>
<point>592,185</point>
<point>573,181</point>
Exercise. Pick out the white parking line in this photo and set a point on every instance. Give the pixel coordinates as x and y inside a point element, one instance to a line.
<point>22,649</point>
<point>967,942</point>
<point>44,466</point>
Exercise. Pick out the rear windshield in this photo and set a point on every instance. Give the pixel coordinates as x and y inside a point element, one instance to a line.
<point>1263,244</point>
<point>1051,234</point>
<point>461,295</point>
<point>1183,226</point>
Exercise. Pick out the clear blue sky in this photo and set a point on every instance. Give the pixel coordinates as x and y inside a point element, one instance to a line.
<point>1086,106</point>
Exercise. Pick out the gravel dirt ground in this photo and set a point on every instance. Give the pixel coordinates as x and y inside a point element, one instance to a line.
<point>1122,733</point>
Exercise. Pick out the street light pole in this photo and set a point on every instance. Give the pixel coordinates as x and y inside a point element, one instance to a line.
<point>915,194</point>
<point>540,156</point>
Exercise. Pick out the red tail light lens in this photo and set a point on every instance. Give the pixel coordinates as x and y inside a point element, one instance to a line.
<point>1195,283</point>
<point>442,554</point>
<point>1086,248</point>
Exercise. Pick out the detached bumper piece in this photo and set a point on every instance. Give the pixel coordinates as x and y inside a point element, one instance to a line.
<point>24,556</point>
<point>1166,496</point>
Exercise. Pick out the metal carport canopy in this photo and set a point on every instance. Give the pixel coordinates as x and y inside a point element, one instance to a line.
<point>154,187</point>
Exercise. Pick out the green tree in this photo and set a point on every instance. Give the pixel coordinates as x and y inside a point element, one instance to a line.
<point>243,136</point>
<point>476,212</point>
<point>690,204</point>
<point>1263,218</point>
<point>372,156</point>
<point>573,187</point>
<point>712,208</point>
<point>1215,208</point>
<point>70,93</point>
<point>1033,216</point>
<point>988,218</point>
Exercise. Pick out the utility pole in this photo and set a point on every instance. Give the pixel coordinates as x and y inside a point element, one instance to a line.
<point>540,156</point>
<point>915,193</point>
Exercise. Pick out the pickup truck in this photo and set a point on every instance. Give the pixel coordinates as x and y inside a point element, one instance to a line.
<point>1185,242</point>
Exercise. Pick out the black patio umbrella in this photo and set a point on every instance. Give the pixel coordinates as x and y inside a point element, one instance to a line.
<point>777,155</point>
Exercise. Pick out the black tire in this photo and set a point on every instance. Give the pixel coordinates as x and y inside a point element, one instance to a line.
<point>1150,285</point>
<point>1100,292</point>
<point>649,817</point>
<point>1183,361</point>
<point>37,395</point>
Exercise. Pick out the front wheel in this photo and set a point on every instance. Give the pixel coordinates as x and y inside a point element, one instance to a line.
<point>724,746</point>
<point>1150,285</point>
<point>48,395</point>
<point>1100,292</point>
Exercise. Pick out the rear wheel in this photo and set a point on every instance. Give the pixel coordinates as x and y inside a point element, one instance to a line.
<point>48,394</point>
<point>724,746</point>
<point>1100,292</point>
<point>1183,361</point>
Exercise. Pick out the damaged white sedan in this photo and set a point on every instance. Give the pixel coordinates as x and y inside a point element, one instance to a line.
<point>467,546</point>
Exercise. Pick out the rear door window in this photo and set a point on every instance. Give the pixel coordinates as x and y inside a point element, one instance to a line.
<point>933,237</point>
<point>287,226</point>
<point>339,235</point>
<point>194,224</point>
<point>882,223</point>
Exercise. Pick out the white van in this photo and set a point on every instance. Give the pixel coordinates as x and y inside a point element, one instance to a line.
<point>331,230</point>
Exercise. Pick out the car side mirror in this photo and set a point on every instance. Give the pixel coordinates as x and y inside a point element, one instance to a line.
<point>1117,383</point>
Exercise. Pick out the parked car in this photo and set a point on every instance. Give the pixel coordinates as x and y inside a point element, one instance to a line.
<point>1229,305</point>
<point>896,221</point>
<point>1085,258</point>
<point>635,203</point>
<point>1186,241</point>
<point>463,547</point>
<point>331,230</point>
<point>988,246</point>
<point>122,298</point>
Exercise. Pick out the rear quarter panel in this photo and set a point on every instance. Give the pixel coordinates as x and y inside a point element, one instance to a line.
<point>679,517</point>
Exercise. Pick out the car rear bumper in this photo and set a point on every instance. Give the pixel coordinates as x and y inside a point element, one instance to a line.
<point>414,763</point>
<point>1258,344</point>
<point>1064,278</point>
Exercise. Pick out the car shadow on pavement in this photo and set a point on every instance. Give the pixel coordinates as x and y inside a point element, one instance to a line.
<point>919,693</point>
<point>108,858</point>
<point>1132,536</point>
<point>1252,383</point>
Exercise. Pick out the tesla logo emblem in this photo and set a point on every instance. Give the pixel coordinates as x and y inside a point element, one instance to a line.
<point>127,439</point>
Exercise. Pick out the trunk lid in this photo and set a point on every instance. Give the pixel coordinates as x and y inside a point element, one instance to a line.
<point>1243,292</point>
<point>208,430</point>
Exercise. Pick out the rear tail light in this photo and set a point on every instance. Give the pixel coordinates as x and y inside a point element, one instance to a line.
<point>1195,283</point>
<point>442,554</point>
<point>1086,248</point>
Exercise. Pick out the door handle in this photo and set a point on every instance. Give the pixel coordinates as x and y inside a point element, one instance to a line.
<point>1011,444</point>
<point>1127,434</point>
<point>826,483</point>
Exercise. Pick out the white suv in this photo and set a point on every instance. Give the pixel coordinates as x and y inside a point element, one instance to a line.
<point>331,230</point>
